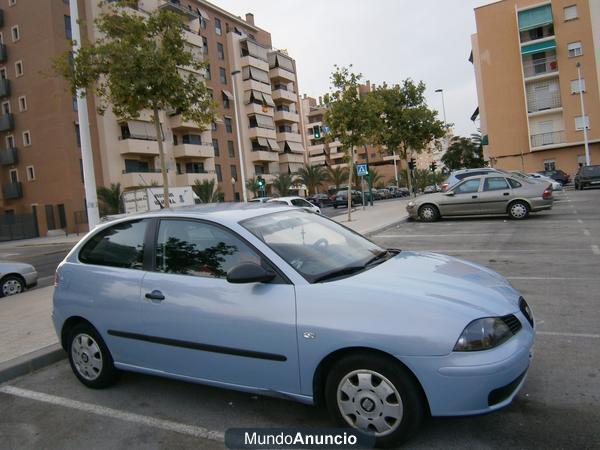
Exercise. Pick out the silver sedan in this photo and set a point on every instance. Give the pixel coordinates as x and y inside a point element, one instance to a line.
<point>15,277</point>
<point>491,194</point>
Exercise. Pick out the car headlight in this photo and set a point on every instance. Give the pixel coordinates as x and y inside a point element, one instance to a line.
<point>411,204</point>
<point>486,333</point>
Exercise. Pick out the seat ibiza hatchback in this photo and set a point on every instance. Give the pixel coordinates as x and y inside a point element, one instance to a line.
<point>279,301</point>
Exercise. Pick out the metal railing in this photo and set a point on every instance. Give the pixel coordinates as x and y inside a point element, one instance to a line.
<point>536,67</point>
<point>141,170</point>
<point>553,137</point>
<point>9,156</point>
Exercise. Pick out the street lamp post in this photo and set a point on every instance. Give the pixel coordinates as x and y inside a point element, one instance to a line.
<point>585,135</point>
<point>239,139</point>
<point>441,91</point>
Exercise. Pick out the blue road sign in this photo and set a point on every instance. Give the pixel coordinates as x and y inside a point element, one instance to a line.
<point>362,170</point>
<point>325,129</point>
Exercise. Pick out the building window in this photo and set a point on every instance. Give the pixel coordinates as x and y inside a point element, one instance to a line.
<point>203,23</point>
<point>579,121</point>
<point>10,141</point>
<point>233,171</point>
<point>19,68</point>
<point>225,100</point>
<point>205,45</point>
<point>68,27</point>
<point>77,135</point>
<point>12,2</point>
<point>75,107</point>
<point>213,126</point>
<point>13,175</point>
<point>208,75</point>
<point>15,33</point>
<point>26,138</point>
<point>1,38</point>
<point>218,172</point>
<point>3,73</point>
<point>549,164</point>
<point>218,28</point>
<point>22,103</point>
<point>575,86</point>
<point>222,75</point>
<point>570,12</point>
<point>216,146</point>
<point>228,126</point>
<point>230,149</point>
<point>6,107</point>
<point>30,173</point>
<point>220,51</point>
<point>574,49</point>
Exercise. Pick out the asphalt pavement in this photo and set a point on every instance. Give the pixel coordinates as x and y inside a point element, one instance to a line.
<point>553,258</point>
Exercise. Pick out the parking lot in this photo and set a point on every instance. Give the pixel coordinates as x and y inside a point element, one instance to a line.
<point>553,258</point>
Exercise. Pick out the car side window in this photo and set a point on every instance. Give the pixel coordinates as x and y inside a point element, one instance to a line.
<point>468,186</point>
<point>514,183</point>
<point>121,245</point>
<point>188,247</point>
<point>495,184</point>
<point>298,202</point>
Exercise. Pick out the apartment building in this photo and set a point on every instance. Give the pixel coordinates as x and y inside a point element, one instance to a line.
<point>40,158</point>
<point>526,55</point>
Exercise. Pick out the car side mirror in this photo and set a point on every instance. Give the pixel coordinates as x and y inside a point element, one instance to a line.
<point>450,194</point>
<point>249,273</point>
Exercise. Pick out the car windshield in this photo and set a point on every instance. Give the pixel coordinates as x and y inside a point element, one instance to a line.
<point>591,171</point>
<point>318,248</point>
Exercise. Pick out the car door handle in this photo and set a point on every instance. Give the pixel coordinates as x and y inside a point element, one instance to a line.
<point>506,193</point>
<point>473,196</point>
<point>155,295</point>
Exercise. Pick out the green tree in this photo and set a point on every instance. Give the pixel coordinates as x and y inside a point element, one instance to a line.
<point>206,190</point>
<point>337,175</point>
<point>109,199</point>
<point>140,62</point>
<point>374,178</point>
<point>311,177</point>
<point>350,118</point>
<point>282,184</point>
<point>463,153</point>
<point>407,124</point>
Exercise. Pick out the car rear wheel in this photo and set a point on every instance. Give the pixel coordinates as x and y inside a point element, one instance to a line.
<point>90,359</point>
<point>376,396</point>
<point>429,213</point>
<point>11,285</point>
<point>518,210</point>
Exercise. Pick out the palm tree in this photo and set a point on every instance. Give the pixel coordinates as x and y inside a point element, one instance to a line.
<point>337,175</point>
<point>109,199</point>
<point>206,191</point>
<point>252,186</point>
<point>374,177</point>
<point>282,183</point>
<point>311,177</point>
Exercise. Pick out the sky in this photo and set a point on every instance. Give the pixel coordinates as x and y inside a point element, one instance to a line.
<point>385,40</point>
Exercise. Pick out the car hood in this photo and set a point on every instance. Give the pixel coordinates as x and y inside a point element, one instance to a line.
<point>10,266</point>
<point>440,279</point>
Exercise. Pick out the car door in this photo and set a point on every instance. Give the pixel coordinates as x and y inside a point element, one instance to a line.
<point>198,324</point>
<point>495,195</point>
<point>461,200</point>
<point>301,203</point>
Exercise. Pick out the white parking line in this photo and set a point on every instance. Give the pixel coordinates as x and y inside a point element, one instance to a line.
<point>439,235</point>
<point>575,335</point>
<point>595,249</point>
<point>586,232</point>
<point>166,425</point>
<point>579,221</point>
<point>554,278</point>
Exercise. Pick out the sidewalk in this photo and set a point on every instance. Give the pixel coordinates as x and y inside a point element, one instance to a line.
<point>375,218</point>
<point>47,240</point>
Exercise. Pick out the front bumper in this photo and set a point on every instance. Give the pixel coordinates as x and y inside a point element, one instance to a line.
<point>413,211</point>
<point>467,383</point>
<point>31,279</point>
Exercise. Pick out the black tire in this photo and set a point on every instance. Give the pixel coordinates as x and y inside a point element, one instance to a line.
<point>100,378</point>
<point>429,213</point>
<point>11,285</point>
<point>413,406</point>
<point>334,206</point>
<point>518,210</point>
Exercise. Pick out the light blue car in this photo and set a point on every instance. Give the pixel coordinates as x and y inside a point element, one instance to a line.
<point>283,302</point>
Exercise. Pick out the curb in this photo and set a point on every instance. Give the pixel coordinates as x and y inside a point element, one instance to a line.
<point>379,229</point>
<point>24,364</point>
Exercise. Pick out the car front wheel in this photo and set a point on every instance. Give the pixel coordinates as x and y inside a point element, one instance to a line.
<point>11,285</point>
<point>429,213</point>
<point>518,210</point>
<point>90,359</point>
<point>376,396</point>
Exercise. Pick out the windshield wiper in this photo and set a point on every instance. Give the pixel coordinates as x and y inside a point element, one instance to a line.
<point>339,272</point>
<point>387,254</point>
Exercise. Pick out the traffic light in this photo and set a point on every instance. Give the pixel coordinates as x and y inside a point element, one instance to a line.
<point>433,166</point>
<point>412,164</point>
<point>260,182</point>
<point>317,132</point>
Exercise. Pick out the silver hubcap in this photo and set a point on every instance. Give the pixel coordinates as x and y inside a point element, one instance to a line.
<point>11,287</point>
<point>427,213</point>
<point>369,402</point>
<point>87,356</point>
<point>518,210</point>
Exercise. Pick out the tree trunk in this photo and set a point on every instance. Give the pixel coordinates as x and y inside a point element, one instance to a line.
<point>408,177</point>
<point>350,184</point>
<point>163,162</point>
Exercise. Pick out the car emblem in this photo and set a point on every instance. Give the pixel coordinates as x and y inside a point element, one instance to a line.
<point>309,335</point>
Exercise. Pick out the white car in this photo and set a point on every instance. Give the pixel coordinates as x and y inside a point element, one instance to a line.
<point>296,201</point>
<point>556,186</point>
<point>15,277</point>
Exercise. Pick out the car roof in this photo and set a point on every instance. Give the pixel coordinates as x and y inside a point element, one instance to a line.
<point>291,197</point>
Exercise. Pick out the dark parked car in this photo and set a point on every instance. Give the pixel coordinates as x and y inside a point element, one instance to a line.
<point>320,200</point>
<point>587,176</point>
<point>558,175</point>
<point>341,198</point>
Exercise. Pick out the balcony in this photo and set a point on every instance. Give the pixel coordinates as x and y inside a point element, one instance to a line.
<point>9,156</point>
<point>289,136</point>
<point>193,38</point>
<point>137,147</point>
<point>264,155</point>
<point>261,132</point>
<point>286,116</point>
<point>7,122</point>
<point>4,88</point>
<point>256,85</point>
<point>337,155</point>
<point>177,122</point>
<point>3,53</point>
<point>254,62</point>
<point>13,190</point>
<point>193,151</point>
<point>149,177</point>
<point>316,159</point>
<point>540,32</point>
<point>538,101</point>
<point>291,158</point>
<point>537,67</point>
<point>189,179</point>
<point>255,108</point>
<point>316,149</point>
<point>284,96</point>
<point>278,73</point>
<point>552,138</point>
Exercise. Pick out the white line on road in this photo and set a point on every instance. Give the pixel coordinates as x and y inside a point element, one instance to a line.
<point>167,425</point>
<point>575,335</point>
<point>553,278</point>
<point>595,249</point>
<point>439,235</point>
<point>579,221</point>
<point>586,232</point>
